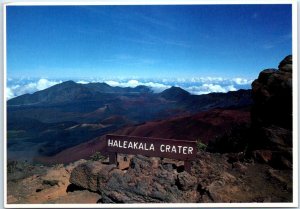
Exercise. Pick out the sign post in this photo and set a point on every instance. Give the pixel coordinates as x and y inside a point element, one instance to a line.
<point>151,147</point>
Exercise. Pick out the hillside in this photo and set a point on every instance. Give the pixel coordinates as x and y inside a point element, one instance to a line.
<point>68,114</point>
<point>204,126</point>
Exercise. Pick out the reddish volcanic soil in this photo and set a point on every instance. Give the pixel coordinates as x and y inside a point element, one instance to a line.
<point>204,126</point>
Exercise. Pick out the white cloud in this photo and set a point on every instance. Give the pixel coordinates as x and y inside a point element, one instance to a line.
<point>213,88</point>
<point>242,81</point>
<point>113,83</point>
<point>9,93</point>
<point>231,88</point>
<point>209,88</point>
<point>31,87</point>
<point>43,84</point>
<point>82,82</point>
<point>155,86</point>
<point>133,83</point>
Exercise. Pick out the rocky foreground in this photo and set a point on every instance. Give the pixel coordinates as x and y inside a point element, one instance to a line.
<point>214,178</point>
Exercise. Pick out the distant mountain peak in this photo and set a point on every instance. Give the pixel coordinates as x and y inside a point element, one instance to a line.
<point>65,84</point>
<point>176,89</point>
<point>69,82</point>
<point>175,93</point>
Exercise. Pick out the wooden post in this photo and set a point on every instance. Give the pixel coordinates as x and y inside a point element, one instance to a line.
<point>187,166</point>
<point>112,158</point>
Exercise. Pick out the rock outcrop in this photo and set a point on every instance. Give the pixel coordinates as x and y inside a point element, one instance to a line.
<point>272,115</point>
<point>213,178</point>
<point>272,95</point>
<point>142,182</point>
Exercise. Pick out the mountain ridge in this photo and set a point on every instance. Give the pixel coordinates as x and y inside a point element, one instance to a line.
<point>69,91</point>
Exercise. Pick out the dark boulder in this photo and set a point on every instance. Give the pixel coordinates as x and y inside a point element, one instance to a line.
<point>142,182</point>
<point>88,175</point>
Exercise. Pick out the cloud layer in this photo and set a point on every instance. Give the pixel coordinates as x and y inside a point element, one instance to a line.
<point>20,87</point>
<point>196,85</point>
<point>156,87</point>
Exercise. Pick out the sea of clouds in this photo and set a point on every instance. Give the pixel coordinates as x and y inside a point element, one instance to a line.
<point>196,85</point>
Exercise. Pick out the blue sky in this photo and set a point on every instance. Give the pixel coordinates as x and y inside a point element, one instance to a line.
<point>68,42</point>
